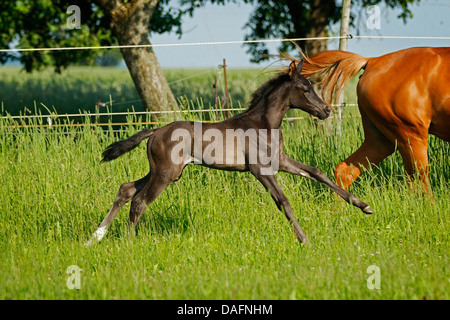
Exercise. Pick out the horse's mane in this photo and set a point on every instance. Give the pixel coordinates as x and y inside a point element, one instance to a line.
<point>309,72</point>
<point>332,69</point>
<point>267,88</point>
<point>282,77</point>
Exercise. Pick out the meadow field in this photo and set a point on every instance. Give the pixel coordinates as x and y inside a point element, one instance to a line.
<point>212,234</point>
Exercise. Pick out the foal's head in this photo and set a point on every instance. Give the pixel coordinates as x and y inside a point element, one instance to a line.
<point>302,95</point>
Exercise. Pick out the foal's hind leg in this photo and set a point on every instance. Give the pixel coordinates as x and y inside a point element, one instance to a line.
<point>158,182</point>
<point>289,165</point>
<point>125,194</point>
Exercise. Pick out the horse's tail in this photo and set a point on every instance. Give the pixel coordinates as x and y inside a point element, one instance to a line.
<point>116,149</point>
<point>333,69</point>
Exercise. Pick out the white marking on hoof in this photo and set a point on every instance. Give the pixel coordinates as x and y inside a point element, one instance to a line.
<point>368,210</point>
<point>100,233</point>
<point>304,174</point>
<point>88,243</point>
<point>98,236</point>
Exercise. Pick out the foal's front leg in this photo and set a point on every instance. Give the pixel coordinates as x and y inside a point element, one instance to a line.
<point>289,165</point>
<point>270,183</point>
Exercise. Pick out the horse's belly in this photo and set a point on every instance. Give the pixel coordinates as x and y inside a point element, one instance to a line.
<point>441,129</point>
<point>218,158</point>
<point>440,121</point>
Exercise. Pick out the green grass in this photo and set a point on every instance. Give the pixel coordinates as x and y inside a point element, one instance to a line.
<point>215,234</point>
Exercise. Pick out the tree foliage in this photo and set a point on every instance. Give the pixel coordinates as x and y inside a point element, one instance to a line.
<point>43,24</point>
<point>298,19</point>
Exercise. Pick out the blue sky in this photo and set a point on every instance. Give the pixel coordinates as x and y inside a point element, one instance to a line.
<point>225,23</point>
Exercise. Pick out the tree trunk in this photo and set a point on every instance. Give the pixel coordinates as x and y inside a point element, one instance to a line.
<point>317,22</point>
<point>131,25</point>
<point>321,12</point>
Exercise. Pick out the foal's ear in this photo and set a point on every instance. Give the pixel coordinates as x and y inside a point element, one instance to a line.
<point>300,67</point>
<point>292,69</point>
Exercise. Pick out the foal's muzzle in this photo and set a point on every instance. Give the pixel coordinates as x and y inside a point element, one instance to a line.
<point>325,113</point>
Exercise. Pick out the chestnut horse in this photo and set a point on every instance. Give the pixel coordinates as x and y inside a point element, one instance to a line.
<point>402,97</point>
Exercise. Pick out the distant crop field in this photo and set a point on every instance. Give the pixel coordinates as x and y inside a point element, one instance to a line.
<point>78,88</point>
<point>212,234</point>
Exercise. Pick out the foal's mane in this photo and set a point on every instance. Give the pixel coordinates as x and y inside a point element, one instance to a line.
<point>275,82</point>
<point>267,88</point>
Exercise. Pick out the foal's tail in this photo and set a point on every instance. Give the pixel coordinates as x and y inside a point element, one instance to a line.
<point>333,69</point>
<point>118,148</point>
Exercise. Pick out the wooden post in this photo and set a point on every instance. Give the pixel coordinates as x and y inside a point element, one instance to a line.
<point>345,21</point>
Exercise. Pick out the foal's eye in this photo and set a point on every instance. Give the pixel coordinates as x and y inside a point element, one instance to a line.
<point>306,91</point>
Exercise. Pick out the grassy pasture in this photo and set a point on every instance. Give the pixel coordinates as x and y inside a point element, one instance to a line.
<point>213,234</point>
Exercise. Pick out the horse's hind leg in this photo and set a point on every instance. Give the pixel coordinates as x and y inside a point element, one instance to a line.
<point>375,148</point>
<point>125,194</point>
<point>291,166</point>
<point>414,151</point>
<point>369,154</point>
<point>158,182</point>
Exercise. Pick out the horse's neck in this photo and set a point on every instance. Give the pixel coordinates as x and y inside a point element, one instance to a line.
<point>268,115</point>
<point>275,118</point>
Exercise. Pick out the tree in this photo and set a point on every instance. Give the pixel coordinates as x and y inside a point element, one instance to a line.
<point>43,23</point>
<point>130,23</point>
<point>297,19</point>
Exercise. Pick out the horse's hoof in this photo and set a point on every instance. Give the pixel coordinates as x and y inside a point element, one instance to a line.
<point>367,210</point>
<point>88,243</point>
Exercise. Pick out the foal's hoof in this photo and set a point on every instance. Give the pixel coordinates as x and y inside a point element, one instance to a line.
<point>89,243</point>
<point>306,243</point>
<point>367,210</point>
